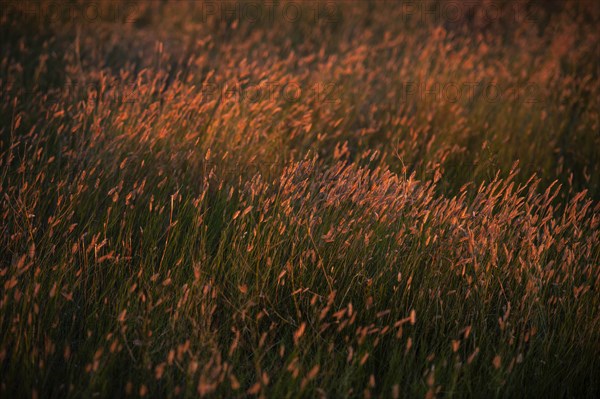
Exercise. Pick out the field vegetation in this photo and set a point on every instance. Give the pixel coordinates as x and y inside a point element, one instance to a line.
<point>300,199</point>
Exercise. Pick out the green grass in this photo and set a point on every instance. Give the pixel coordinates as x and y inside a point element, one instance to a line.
<point>158,239</point>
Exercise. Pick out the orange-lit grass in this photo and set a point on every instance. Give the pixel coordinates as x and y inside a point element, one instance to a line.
<point>373,245</point>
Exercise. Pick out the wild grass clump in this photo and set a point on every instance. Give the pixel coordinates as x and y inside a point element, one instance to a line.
<point>198,204</point>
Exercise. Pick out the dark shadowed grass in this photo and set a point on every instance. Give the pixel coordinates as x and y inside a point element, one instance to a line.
<point>197,206</point>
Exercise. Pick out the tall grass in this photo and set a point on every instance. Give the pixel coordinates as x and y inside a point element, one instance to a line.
<point>195,203</point>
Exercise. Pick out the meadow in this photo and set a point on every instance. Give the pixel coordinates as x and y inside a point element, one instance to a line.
<point>300,199</point>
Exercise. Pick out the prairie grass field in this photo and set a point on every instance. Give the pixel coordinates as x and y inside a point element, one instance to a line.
<point>300,199</point>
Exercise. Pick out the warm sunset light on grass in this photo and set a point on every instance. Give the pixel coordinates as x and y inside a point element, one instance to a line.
<point>300,199</point>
